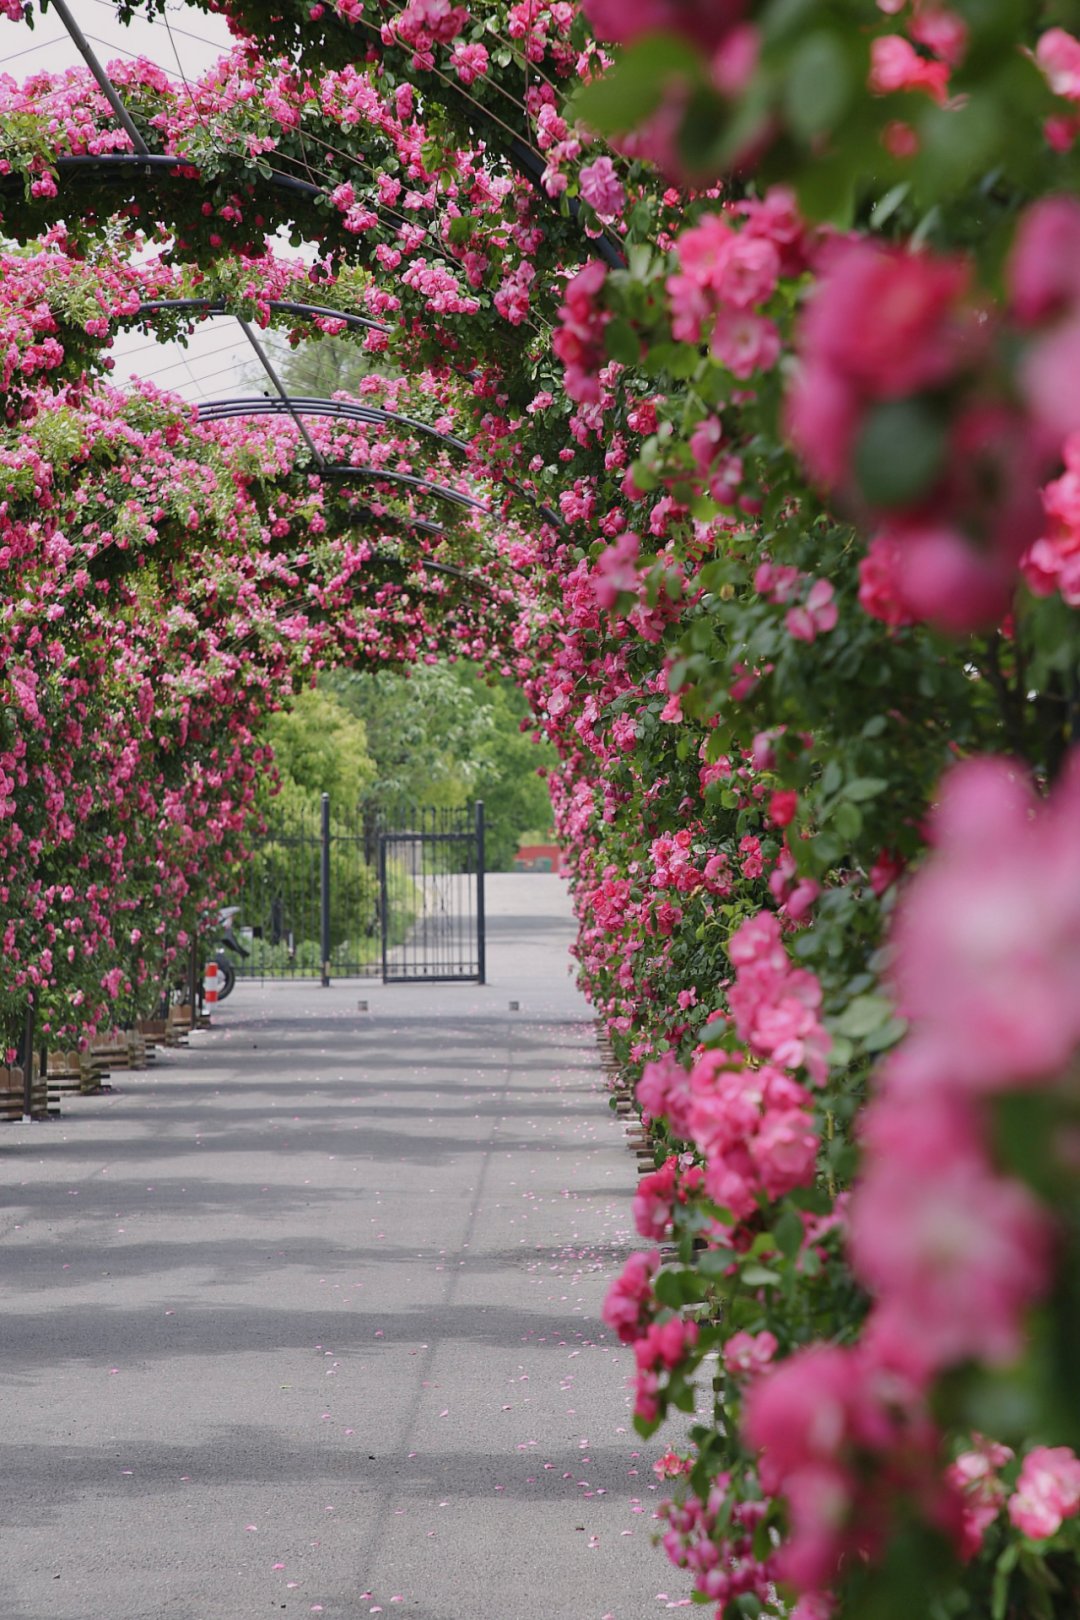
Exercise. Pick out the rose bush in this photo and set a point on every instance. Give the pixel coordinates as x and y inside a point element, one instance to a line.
<point>787,378</point>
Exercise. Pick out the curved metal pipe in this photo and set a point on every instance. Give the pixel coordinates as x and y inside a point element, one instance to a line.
<point>377,474</point>
<point>217,306</point>
<point>310,405</point>
<point>216,410</point>
<point>148,163</point>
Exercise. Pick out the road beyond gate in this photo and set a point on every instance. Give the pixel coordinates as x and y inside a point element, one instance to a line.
<point>306,1320</point>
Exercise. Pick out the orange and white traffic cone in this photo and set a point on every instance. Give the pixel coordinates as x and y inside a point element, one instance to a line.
<point>210,984</point>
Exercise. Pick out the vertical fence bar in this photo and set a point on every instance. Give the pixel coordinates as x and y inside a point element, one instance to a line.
<point>384,907</point>
<point>28,1059</point>
<point>481,940</point>
<point>193,982</point>
<point>324,891</point>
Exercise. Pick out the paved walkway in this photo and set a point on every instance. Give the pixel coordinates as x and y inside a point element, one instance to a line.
<point>306,1319</point>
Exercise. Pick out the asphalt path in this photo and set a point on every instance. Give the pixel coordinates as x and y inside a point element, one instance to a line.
<point>305,1319</point>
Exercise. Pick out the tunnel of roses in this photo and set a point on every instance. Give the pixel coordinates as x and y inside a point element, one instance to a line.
<point>725,390</point>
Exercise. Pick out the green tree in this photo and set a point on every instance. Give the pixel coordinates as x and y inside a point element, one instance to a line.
<point>321,746</point>
<point>319,367</point>
<point>441,735</point>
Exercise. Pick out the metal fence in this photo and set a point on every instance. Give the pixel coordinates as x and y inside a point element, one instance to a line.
<point>392,893</point>
<point>431,872</point>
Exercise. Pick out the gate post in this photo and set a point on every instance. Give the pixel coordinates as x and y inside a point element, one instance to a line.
<point>28,1058</point>
<point>324,892</point>
<point>193,982</point>
<point>481,942</point>
<point>384,905</point>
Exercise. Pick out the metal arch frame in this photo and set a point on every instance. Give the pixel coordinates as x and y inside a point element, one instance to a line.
<point>142,150</point>
<point>226,410</point>
<point>472,583</point>
<point>404,523</point>
<point>146,162</point>
<point>372,415</point>
<point>527,164</point>
<point>461,575</point>
<point>369,415</point>
<point>373,475</point>
<point>521,155</point>
<point>288,306</point>
<point>150,161</point>
<point>376,414</point>
<point>317,405</point>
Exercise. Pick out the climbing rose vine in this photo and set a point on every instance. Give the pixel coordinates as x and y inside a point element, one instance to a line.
<point>754,333</point>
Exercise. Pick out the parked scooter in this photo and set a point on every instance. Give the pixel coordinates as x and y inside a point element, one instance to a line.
<point>229,942</point>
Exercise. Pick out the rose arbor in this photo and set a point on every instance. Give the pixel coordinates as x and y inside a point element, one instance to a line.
<point>771,404</point>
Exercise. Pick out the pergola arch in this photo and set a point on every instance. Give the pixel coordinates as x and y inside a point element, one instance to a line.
<point>143,311</point>
<point>283,306</point>
<point>125,169</point>
<point>256,194</point>
<point>369,415</point>
<point>322,36</point>
<point>164,633</point>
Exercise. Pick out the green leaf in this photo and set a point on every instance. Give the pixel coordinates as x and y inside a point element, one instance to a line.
<point>841,1052</point>
<point>631,91</point>
<point>888,1035</point>
<point>826,190</point>
<point>864,787</point>
<point>760,1277</point>
<point>819,85</point>
<point>886,206</point>
<point>1000,1589</point>
<point>827,849</point>
<point>809,1263</point>
<point>847,820</point>
<point>679,359</point>
<point>863,1015</point>
<point>681,1396</point>
<point>900,453</point>
<point>713,1263</point>
<point>1025,1127</point>
<point>667,1287</point>
<point>622,342</point>
<point>788,1232</point>
<point>955,143</point>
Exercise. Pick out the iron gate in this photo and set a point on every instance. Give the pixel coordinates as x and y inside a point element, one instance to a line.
<point>396,894</point>
<point>433,909</point>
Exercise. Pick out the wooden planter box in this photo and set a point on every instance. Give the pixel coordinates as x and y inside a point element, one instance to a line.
<point>178,1026</point>
<point>11,1095</point>
<point>63,1074</point>
<point>154,1031</point>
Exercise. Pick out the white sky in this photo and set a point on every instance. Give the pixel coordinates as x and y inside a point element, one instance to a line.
<point>218,361</point>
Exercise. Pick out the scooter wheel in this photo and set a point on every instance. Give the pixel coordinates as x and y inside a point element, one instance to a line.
<point>226,977</point>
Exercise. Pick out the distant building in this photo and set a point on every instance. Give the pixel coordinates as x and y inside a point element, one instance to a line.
<point>538,858</point>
